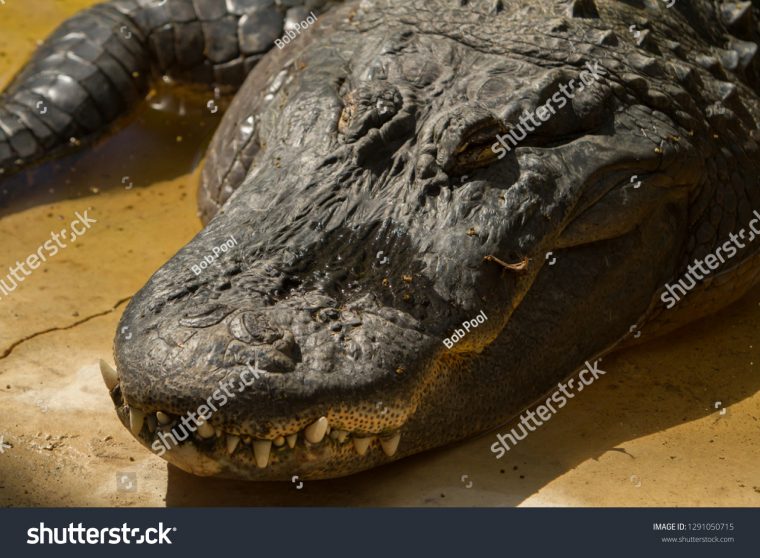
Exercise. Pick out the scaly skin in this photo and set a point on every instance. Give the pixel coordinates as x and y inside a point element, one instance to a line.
<point>98,65</point>
<point>372,133</point>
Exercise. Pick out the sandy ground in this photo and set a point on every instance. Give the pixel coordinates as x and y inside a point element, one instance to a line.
<point>675,422</point>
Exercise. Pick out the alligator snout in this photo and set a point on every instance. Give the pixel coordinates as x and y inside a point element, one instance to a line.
<point>265,377</point>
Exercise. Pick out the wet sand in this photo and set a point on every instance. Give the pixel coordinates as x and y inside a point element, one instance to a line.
<point>675,422</point>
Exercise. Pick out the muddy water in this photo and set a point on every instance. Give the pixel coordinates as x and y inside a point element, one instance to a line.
<point>674,422</point>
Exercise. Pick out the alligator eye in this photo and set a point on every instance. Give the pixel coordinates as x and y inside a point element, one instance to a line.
<point>476,150</point>
<point>466,141</point>
<point>370,105</point>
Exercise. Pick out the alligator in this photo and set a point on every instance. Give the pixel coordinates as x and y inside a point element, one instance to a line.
<point>361,185</point>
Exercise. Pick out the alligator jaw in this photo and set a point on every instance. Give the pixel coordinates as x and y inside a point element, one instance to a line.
<point>310,451</point>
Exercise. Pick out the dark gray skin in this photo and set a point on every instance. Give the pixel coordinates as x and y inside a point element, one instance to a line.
<point>373,132</point>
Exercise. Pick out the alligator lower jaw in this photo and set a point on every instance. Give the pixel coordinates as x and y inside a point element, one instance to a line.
<point>160,430</point>
<point>207,450</point>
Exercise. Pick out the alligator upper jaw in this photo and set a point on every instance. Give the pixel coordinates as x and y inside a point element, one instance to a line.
<point>316,449</point>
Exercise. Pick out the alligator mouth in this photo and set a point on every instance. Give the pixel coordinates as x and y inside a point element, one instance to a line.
<point>202,448</point>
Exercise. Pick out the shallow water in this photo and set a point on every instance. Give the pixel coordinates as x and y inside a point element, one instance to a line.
<point>157,145</point>
<point>675,422</point>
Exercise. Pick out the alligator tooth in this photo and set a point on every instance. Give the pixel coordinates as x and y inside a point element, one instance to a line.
<point>391,444</point>
<point>279,441</point>
<point>110,376</point>
<point>315,432</point>
<point>334,434</point>
<point>291,440</point>
<point>361,445</point>
<point>151,420</point>
<point>261,449</point>
<point>136,419</point>
<point>342,435</point>
<point>205,430</point>
<point>232,443</point>
<point>163,418</point>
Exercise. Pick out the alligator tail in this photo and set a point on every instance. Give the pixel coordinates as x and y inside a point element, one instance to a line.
<point>99,64</point>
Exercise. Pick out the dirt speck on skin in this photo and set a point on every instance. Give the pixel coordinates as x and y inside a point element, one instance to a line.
<point>646,434</point>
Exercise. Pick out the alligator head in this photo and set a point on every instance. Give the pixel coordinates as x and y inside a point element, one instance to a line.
<point>377,212</point>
